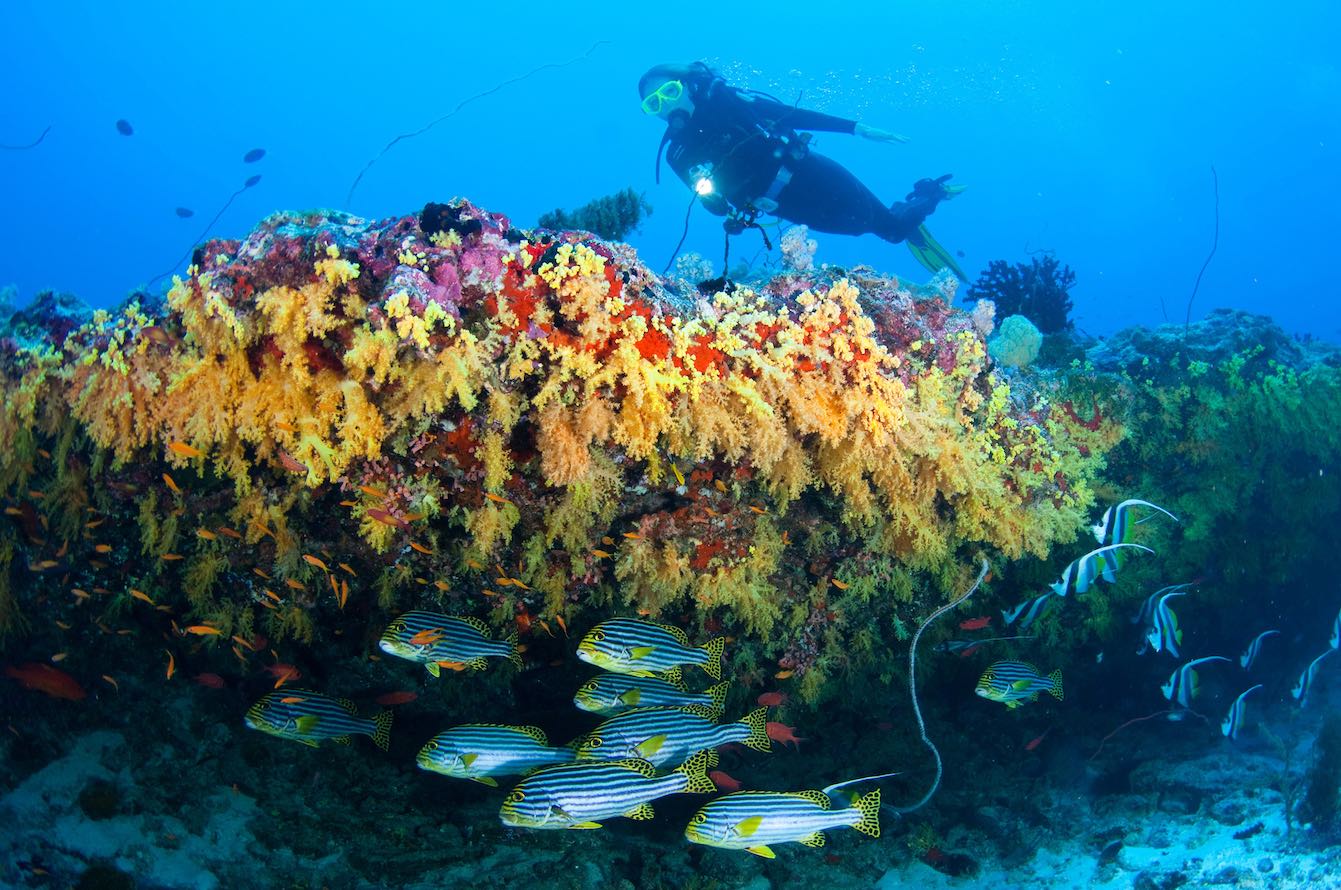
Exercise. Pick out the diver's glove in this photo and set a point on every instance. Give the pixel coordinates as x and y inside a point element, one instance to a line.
<point>875,134</point>
<point>933,191</point>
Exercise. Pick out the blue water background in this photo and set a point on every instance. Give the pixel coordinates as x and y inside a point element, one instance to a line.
<point>1085,128</point>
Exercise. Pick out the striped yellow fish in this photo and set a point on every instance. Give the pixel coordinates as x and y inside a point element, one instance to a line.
<point>611,694</point>
<point>432,639</point>
<point>645,648</point>
<point>751,820</point>
<point>480,751</point>
<point>666,736</point>
<point>310,717</point>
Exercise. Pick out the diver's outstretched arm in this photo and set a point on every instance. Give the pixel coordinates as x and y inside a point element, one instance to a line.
<point>875,134</point>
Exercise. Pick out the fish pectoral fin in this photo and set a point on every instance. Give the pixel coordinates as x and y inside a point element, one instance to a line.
<point>485,780</point>
<point>648,747</point>
<point>642,812</point>
<point>1020,685</point>
<point>433,669</point>
<point>762,850</point>
<point>631,697</point>
<point>747,827</point>
<point>641,651</point>
<point>307,723</point>
<point>577,826</point>
<point>469,759</point>
<point>814,840</point>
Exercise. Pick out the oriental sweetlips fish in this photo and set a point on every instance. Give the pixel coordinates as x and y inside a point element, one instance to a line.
<point>1234,719</point>
<point>1012,682</point>
<point>1184,684</point>
<point>310,717</point>
<point>435,640</point>
<point>751,820</point>
<point>644,648</point>
<point>611,694</point>
<point>480,751</point>
<point>669,735</point>
<point>579,795</point>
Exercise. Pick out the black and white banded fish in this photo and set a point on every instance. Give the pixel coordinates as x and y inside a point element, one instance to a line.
<point>1012,682</point>
<point>1249,656</point>
<point>434,640</point>
<point>1336,632</point>
<point>751,820</point>
<point>310,717</point>
<point>1305,682</point>
<point>1030,609</point>
<point>1115,527</point>
<point>579,795</point>
<point>1164,632</point>
<point>480,751</point>
<point>611,694</point>
<point>1233,721</point>
<point>1184,684</point>
<point>668,735</point>
<point>1102,562</point>
<point>644,648</point>
<point>1145,617</point>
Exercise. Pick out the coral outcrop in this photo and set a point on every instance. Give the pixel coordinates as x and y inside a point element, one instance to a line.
<point>334,418</point>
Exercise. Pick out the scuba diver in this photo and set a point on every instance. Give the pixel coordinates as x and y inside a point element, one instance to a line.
<point>741,153</point>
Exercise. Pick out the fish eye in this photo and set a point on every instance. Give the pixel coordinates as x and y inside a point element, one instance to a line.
<point>699,819</point>
<point>432,746</point>
<point>517,796</point>
<point>597,636</point>
<point>594,742</point>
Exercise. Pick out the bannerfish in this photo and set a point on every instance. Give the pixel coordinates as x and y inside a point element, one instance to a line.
<point>668,735</point>
<point>433,639</point>
<point>1249,656</point>
<point>1164,632</point>
<point>1115,528</point>
<point>1305,682</point>
<point>1030,609</point>
<point>579,795</point>
<point>751,820</point>
<point>1146,616</point>
<point>1336,632</point>
<point>480,751</point>
<point>310,717</point>
<point>644,648</point>
<point>1101,562</point>
<point>1012,682</point>
<point>611,694</point>
<point>1233,721</point>
<point>1184,684</point>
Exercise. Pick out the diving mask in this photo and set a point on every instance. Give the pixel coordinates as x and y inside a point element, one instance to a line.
<point>664,96</point>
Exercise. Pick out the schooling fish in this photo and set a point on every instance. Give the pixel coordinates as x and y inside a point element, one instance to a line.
<point>751,820</point>
<point>1234,720</point>
<point>579,795</point>
<point>1254,649</point>
<point>1305,683</point>
<point>1145,617</point>
<point>611,694</point>
<point>1011,682</point>
<point>668,735</point>
<point>480,751</point>
<point>253,156</point>
<point>1031,609</point>
<point>1164,632</point>
<point>1098,563</point>
<point>644,648</point>
<point>432,639</point>
<point>1114,528</point>
<point>1184,684</point>
<point>309,717</point>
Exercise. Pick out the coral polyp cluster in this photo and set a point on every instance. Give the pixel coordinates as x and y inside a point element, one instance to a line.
<point>525,424</point>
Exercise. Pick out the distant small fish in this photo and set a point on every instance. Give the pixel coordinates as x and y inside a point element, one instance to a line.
<point>1336,632</point>
<point>1037,740</point>
<point>1233,722</point>
<point>1247,659</point>
<point>1305,682</point>
<point>184,212</point>
<point>976,623</point>
<point>1183,684</point>
<point>390,699</point>
<point>291,463</point>
<point>124,128</point>
<point>724,781</point>
<point>783,734</point>
<point>47,679</point>
<point>960,647</point>
<point>1013,682</point>
<point>213,681</point>
<point>253,156</point>
<point>310,718</point>
<point>772,699</point>
<point>251,181</point>
<point>1164,632</point>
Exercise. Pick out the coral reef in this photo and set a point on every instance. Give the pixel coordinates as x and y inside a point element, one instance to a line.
<point>1016,342</point>
<point>1039,291</point>
<point>611,217</point>
<point>334,418</point>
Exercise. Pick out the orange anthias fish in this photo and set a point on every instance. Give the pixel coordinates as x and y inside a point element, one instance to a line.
<point>283,673</point>
<point>386,518</point>
<point>47,679</point>
<point>314,561</point>
<point>976,623</point>
<point>427,637</point>
<point>783,734</point>
<point>291,463</point>
<point>204,630</point>
<point>185,450</point>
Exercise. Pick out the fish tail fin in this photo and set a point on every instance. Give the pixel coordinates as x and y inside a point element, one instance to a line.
<point>869,805</point>
<point>675,677</point>
<point>382,730</point>
<point>757,721</point>
<point>715,649</point>
<point>1056,678</point>
<point>718,695</point>
<point>695,771</point>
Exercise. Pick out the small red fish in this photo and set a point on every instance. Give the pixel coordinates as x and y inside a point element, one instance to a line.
<point>387,518</point>
<point>723,781</point>
<point>291,463</point>
<point>773,699</point>
<point>1037,740</point>
<point>45,678</point>
<point>396,698</point>
<point>782,734</point>
<point>213,681</point>
<point>976,623</point>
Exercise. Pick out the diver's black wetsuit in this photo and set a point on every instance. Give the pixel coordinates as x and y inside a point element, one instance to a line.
<point>747,138</point>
